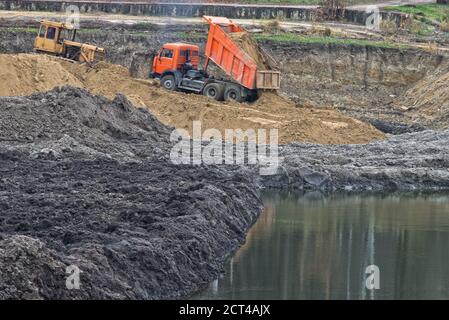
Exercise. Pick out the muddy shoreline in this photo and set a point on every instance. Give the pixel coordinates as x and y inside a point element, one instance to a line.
<point>408,162</point>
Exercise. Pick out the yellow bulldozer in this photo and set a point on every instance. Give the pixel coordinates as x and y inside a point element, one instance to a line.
<point>57,38</point>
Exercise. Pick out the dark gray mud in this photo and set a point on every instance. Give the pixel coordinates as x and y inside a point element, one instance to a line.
<point>87,182</point>
<point>406,162</point>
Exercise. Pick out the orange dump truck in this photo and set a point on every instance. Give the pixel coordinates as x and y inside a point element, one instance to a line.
<point>177,65</point>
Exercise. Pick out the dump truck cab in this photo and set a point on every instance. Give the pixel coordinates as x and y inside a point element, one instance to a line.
<point>175,57</point>
<point>52,35</point>
<point>176,64</point>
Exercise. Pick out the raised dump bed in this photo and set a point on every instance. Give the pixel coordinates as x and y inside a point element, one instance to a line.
<point>230,48</point>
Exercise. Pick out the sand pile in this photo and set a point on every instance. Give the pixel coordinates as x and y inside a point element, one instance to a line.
<point>25,74</point>
<point>271,111</point>
<point>428,100</point>
<point>250,46</point>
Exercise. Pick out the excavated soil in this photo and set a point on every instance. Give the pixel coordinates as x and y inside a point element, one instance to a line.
<point>87,182</point>
<point>295,123</point>
<point>427,102</point>
<point>26,74</point>
<point>250,46</point>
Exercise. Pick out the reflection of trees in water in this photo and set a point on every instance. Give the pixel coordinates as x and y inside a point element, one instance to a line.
<point>261,228</point>
<point>319,247</point>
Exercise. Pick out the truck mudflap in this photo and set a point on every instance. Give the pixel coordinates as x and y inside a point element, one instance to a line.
<point>268,80</point>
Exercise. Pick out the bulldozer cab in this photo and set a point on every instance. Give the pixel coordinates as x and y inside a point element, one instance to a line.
<point>57,38</point>
<point>51,36</point>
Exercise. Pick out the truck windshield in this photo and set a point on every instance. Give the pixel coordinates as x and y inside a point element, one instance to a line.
<point>167,53</point>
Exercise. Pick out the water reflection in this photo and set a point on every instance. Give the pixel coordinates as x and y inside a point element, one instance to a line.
<point>318,247</point>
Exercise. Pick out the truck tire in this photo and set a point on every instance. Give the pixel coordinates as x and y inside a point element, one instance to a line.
<point>168,82</point>
<point>233,93</point>
<point>214,91</point>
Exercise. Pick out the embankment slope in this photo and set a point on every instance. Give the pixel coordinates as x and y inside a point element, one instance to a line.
<point>427,101</point>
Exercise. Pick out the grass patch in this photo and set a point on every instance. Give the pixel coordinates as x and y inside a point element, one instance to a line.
<point>418,27</point>
<point>424,18</point>
<point>143,26</point>
<point>301,2</point>
<point>23,30</point>
<point>424,12</point>
<point>281,38</point>
<point>294,38</point>
<point>190,35</point>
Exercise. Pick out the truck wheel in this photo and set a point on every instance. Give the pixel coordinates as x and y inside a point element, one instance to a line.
<point>233,93</point>
<point>214,90</point>
<point>168,82</point>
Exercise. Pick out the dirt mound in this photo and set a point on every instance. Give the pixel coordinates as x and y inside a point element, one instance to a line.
<point>271,111</point>
<point>78,123</point>
<point>250,46</point>
<point>428,100</point>
<point>25,74</point>
<point>109,79</point>
<point>86,182</point>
